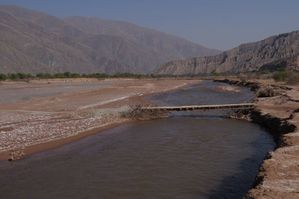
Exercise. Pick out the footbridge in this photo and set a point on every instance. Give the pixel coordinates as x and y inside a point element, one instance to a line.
<point>199,107</point>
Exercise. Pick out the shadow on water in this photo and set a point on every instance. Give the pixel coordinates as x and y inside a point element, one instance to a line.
<point>236,186</point>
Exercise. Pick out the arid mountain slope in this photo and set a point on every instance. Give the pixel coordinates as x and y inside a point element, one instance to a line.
<point>28,44</point>
<point>149,39</point>
<point>32,41</point>
<point>269,54</point>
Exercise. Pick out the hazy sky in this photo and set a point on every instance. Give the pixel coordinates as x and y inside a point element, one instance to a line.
<point>218,24</point>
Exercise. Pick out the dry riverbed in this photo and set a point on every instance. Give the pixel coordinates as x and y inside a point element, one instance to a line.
<point>43,114</point>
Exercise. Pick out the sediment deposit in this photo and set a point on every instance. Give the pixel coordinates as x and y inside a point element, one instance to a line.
<point>44,111</point>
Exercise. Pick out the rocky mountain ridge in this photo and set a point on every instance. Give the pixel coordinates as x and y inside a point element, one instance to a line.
<point>280,51</point>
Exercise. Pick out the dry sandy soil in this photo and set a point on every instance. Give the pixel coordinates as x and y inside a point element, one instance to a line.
<point>277,110</point>
<point>43,114</point>
<point>280,173</point>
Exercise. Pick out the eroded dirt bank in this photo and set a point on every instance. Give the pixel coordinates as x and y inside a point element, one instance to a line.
<point>42,114</point>
<point>277,110</point>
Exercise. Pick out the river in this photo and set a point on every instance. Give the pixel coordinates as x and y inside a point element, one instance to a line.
<point>190,155</point>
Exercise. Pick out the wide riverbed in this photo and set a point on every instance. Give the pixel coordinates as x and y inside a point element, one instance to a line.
<point>188,156</point>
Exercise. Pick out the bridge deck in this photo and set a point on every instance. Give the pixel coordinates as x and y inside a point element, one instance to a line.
<point>201,107</point>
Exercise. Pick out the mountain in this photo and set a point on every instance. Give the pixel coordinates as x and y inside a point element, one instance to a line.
<point>32,41</point>
<point>280,51</point>
<point>35,42</point>
<point>148,39</point>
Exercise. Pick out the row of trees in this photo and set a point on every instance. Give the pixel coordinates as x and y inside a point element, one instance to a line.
<point>280,75</point>
<point>28,76</point>
<point>15,76</point>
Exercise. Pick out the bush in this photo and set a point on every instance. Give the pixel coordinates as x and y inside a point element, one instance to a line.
<point>98,75</point>
<point>29,76</point>
<point>290,77</point>
<point>215,74</point>
<point>44,75</point>
<point>293,78</point>
<point>280,76</point>
<point>128,75</point>
<point>67,74</point>
<point>12,76</point>
<point>21,76</point>
<point>75,75</point>
<point>3,77</point>
<point>58,75</point>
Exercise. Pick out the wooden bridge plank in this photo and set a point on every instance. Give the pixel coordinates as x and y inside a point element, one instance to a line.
<point>198,107</point>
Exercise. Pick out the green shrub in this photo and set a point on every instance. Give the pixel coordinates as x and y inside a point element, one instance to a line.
<point>58,75</point>
<point>290,77</point>
<point>3,77</point>
<point>293,78</point>
<point>44,75</point>
<point>29,76</point>
<point>280,76</point>
<point>67,74</point>
<point>97,75</point>
<point>214,73</point>
<point>12,76</point>
<point>21,76</point>
<point>75,75</point>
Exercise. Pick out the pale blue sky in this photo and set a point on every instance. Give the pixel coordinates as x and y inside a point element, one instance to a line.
<point>221,24</point>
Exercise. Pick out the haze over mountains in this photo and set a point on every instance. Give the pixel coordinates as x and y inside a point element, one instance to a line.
<point>32,41</point>
<point>276,52</point>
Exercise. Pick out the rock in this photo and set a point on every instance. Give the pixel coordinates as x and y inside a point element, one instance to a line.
<point>16,155</point>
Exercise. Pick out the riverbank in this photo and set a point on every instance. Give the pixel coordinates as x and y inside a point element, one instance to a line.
<point>277,110</point>
<point>162,158</point>
<point>44,114</point>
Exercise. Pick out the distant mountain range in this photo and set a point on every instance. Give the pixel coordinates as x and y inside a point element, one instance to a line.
<point>32,41</point>
<point>276,52</point>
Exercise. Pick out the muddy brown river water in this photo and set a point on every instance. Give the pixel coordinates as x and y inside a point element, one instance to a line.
<point>186,156</point>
